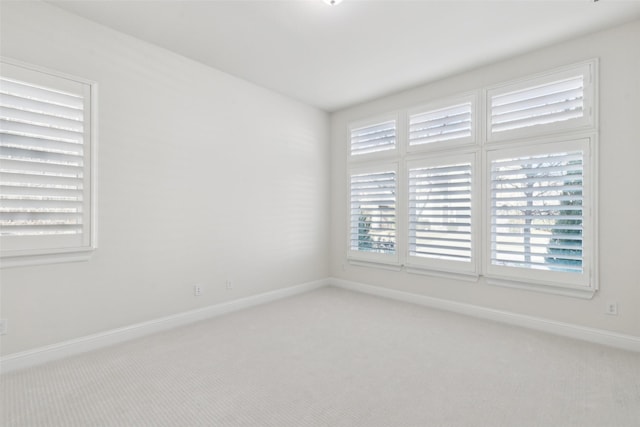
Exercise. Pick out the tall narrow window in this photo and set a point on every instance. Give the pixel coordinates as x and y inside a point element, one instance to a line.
<point>441,219</point>
<point>45,155</point>
<point>538,214</point>
<point>373,213</point>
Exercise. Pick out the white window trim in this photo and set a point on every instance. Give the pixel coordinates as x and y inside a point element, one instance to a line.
<point>19,258</point>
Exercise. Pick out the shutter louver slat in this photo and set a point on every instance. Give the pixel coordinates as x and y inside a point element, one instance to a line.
<point>517,164</point>
<point>537,213</point>
<point>449,254</point>
<point>542,119</point>
<point>439,118</point>
<point>18,164</point>
<point>373,212</point>
<point>22,116</point>
<point>444,124</point>
<point>41,160</point>
<point>436,133</point>
<point>35,229</point>
<point>40,131</point>
<point>440,212</point>
<point>374,138</point>
<point>40,145</point>
<point>518,245</point>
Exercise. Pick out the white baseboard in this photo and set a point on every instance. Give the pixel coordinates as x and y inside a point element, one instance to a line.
<point>64,349</point>
<point>597,336</point>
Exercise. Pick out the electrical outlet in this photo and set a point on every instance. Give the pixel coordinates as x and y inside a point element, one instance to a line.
<point>197,290</point>
<point>3,326</point>
<point>229,284</point>
<point>612,308</point>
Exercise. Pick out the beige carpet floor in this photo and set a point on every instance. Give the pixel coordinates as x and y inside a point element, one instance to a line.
<point>333,358</point>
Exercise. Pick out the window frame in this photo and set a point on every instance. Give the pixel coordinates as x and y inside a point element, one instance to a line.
<point>63,253</point>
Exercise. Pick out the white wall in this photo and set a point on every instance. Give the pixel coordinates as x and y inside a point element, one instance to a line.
<point>202,177</point>
<point>187,152</point>
<point>619,177</point>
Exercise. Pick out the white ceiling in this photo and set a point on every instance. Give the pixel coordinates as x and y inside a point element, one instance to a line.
<point>333,57</point>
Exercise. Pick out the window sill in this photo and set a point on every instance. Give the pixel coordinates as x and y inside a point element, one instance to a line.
<point>375,264</point>
<point>576,292</point>
<point>549,288</point>
<point>78,255</point>
<point>469,277</point>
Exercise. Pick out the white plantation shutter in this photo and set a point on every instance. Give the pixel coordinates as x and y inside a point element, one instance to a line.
<point>373,212</point>
<point>44,164</point>
<point>560,101</point>
<point>444,124</point>
<point>373,138</point>
<point>441,220</point>
<point>537,211</point>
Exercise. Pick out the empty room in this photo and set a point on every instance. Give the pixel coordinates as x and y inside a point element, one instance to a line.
<point>319,213</point>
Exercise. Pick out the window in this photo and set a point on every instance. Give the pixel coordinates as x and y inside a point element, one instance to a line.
<point>46,176</point>
<point>539,218</point>
<point>540,189</point>
<point>562,100</point>
<point>442,122</point>
<point>441,213</point>
<point>373,212</point>
<point>373,182</point>
<point>516,205</point>
<point>373,138</point>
